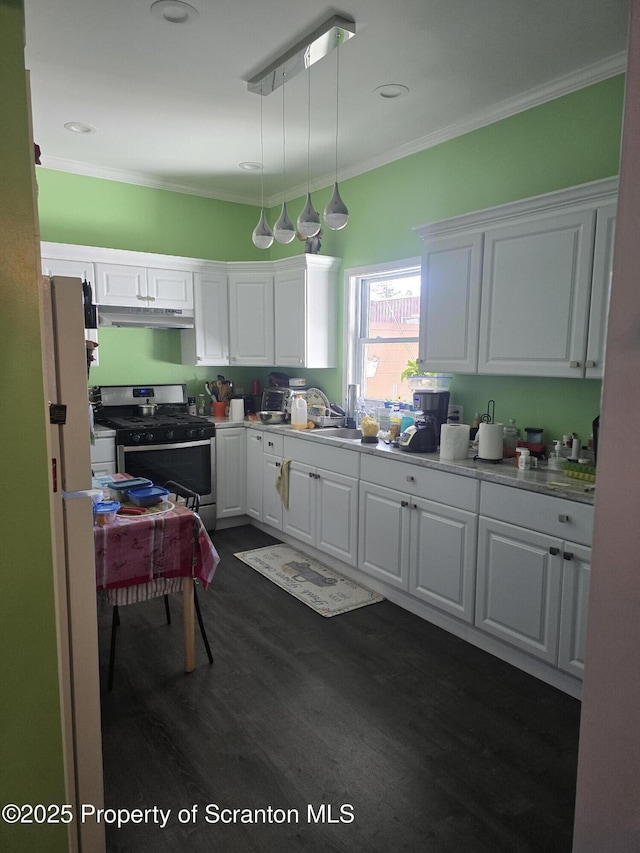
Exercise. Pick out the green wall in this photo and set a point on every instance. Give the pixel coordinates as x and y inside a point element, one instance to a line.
<point>31,764</point>
<point>571,140</point>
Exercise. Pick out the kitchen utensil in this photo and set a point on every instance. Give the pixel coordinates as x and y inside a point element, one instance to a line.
<point>422,437</point>
<point>147,409</point>
<point>219,408</point>
<point>490,415</point>
<point>315,397</point>
<point>272,417</point>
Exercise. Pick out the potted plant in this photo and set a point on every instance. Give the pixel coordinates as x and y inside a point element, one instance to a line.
<point>420,380</point>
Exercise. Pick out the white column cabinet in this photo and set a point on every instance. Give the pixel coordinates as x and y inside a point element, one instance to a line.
<point>231,461</point>
<point>305,300</point>
<point>208,342</point>
<point>251,318</point>
<point>255,441</point>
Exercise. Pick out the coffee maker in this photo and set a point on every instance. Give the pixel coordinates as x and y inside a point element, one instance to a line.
<point>434,405</point>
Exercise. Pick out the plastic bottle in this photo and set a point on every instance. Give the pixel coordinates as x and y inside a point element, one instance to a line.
<point>524,459</point>
<point>395,420</point>
<point>475,425</point>
<point>299,412</point>
<point>510,439</point>
<point>555,457</point>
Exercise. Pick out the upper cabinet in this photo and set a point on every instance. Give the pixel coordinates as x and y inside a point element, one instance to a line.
<point>208,342</point>
<point>122,285</point>
<point>305,302</point>
<point>251,315</point>
<point>520,289</point>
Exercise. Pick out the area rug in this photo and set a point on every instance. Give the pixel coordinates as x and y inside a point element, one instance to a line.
<point>311,582</point>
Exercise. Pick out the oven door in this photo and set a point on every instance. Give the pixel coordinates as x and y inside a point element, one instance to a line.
<point>191,463</point>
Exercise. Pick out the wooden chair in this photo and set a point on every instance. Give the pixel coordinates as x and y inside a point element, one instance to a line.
<point>191,500</point>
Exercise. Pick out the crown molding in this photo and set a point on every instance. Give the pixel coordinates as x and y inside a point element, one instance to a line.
<point>595,73</point>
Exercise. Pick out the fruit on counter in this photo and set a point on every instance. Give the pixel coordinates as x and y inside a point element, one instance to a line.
<point>310,425</point>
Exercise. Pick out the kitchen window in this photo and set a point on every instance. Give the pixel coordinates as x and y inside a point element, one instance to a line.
<point>382,312</point>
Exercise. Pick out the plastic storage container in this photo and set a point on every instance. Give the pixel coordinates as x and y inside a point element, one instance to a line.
<point>510,438</point>
<point>147,495</point>
<point>118,490</point>
<point>435,382</point>
<point>105,512</point>
<point>298,412</point>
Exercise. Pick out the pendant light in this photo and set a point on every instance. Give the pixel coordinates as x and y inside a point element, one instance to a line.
<point>284,230</point>
<point>262,235</point>
<point>309,219</point>
<point>336,214</point>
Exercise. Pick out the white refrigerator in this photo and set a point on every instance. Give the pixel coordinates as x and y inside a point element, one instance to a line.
<point>66,382</point>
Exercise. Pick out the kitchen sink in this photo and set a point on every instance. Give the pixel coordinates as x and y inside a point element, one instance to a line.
<point>339,433</point>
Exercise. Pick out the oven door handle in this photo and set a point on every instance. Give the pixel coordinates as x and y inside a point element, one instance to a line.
<point>205,442</point>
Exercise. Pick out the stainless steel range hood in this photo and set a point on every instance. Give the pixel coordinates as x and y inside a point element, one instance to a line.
<point>149,318</point>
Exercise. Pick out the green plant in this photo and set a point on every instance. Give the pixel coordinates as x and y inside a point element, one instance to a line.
<point>412,369</point>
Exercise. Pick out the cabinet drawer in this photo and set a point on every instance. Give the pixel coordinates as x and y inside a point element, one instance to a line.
<point>316,453</point>
<point>555,516</point>
<point>427,483</point>
<point>272,443</point>
<point>104,450</point>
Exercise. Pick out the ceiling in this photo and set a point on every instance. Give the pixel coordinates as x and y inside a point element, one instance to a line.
<point>171,108</point>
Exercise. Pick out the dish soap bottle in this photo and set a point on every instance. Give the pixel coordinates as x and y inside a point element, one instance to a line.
<point>510,439</point>
<point>299,412</point>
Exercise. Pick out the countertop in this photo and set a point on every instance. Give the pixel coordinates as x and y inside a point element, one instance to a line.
<point>540,479</point>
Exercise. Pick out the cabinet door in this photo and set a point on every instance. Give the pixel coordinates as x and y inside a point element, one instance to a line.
<point>450,303</point>
<point>251,319</point>
<point>290,318</point>
<point>600,290</point>
<point>536,285</point>
<point>170,289</point>
<point>299,519</point>
<point>231,459</point>
<point>121,285</point>
<point>337,515</point>
<point>254,474</point>
<point>383,534</point>
<point>99,469</point>
<point>443,557</point>
<point>518,587</point>
<point>84,271</point>
<point>208,342</point>
<point>271,500</point>
<point>573,613</point>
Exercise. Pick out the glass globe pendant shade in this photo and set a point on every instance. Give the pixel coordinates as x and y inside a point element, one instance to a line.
<point>336,214</point>
<point>309,220</point>
<point>283,230</point>
<point>262,235</point>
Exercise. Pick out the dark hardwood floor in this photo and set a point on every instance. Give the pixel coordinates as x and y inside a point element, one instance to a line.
<point>427,743</point>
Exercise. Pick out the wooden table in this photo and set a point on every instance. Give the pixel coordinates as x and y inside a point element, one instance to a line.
<point>145,556</point>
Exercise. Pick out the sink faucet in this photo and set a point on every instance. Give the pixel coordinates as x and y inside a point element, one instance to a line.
<point>352,397</point>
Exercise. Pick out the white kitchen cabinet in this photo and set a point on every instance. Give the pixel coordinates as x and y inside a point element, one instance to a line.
<point>417,532</point>
<point>271,466</point>
<point>536,285</point>
<point>75,269</point>
<point>231,460</point>
<point>600,290</point>
<point>122,285</point>
<point>103,453</point>
<point>450,303</point>
<point>207,344</point>
<point>305,302</point>
<point>573,609</point>
<point>323,498</point>
<point>254,441</point>
<point>251,319</point>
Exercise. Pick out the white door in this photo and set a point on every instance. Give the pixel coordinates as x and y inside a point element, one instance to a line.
<point>208,342</point>
<point>383,534</point>
<point>536,285</point>
<point>443,557</point>
<point>600,290</point>
<point>518,587</point>
<point>251,319</point>
<point>290,318</point>
<point>231,460</point>
<point>170,289</point>
<point>120,285</point>
<point>573,613</point>
<point>450,303</point>
<point>337,515</point>
<point>299,519</point>
<point>254,474</point>
<point>271,500</point>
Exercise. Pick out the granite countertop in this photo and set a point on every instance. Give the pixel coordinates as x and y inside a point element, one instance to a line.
<point>541,479</point>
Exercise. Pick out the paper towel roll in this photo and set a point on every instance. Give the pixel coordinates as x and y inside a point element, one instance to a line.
<point>454,441</point>
<point>236,409</point>
<point>490,441</point>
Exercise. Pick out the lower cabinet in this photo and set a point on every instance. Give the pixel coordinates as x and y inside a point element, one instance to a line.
<point>103,454</point>
<point>231,457</point>
<point>271,467</point>
<point>255,441</point>
<point>573,611</point>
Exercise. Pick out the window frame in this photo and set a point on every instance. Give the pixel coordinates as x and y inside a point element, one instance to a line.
<point>353,311</point>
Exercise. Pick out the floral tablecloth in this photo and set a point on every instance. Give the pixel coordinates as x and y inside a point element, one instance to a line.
<point>137,550</point>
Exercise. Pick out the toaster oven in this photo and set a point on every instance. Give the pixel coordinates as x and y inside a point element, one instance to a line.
<point>276,400</point>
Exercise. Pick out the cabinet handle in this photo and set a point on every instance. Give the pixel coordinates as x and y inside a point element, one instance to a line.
<point>277,464</point>
<point>414,506</point>
<point>574,364</point>
<point>311,474</point>
<point>258,438</point>
<point>554,551</point>
<point>563,519</point>
<point>568,555</point>
<point>590,363</point>
<point>151,298</point>
<point>410,478</point>
<point>270,443</point>
<point>140,296</point>
<point>317,476</point>
<point>404,503</point>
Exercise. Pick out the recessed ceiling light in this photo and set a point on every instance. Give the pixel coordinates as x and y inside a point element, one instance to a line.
<point>79,127</point>
<point>173,11</point>
<point>249,166</point>
<point>391,90</point>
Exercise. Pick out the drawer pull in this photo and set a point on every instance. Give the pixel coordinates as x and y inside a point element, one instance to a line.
<point>404,503</point>
<point>410,478</point>
<point>574,364</point>
<point>563,519</point>
<point>277,464</point>
<point>258,438</point>
<point>568,555</point>
<point>590,363</point>
<point>554,551</point>
<point>311,474</point>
